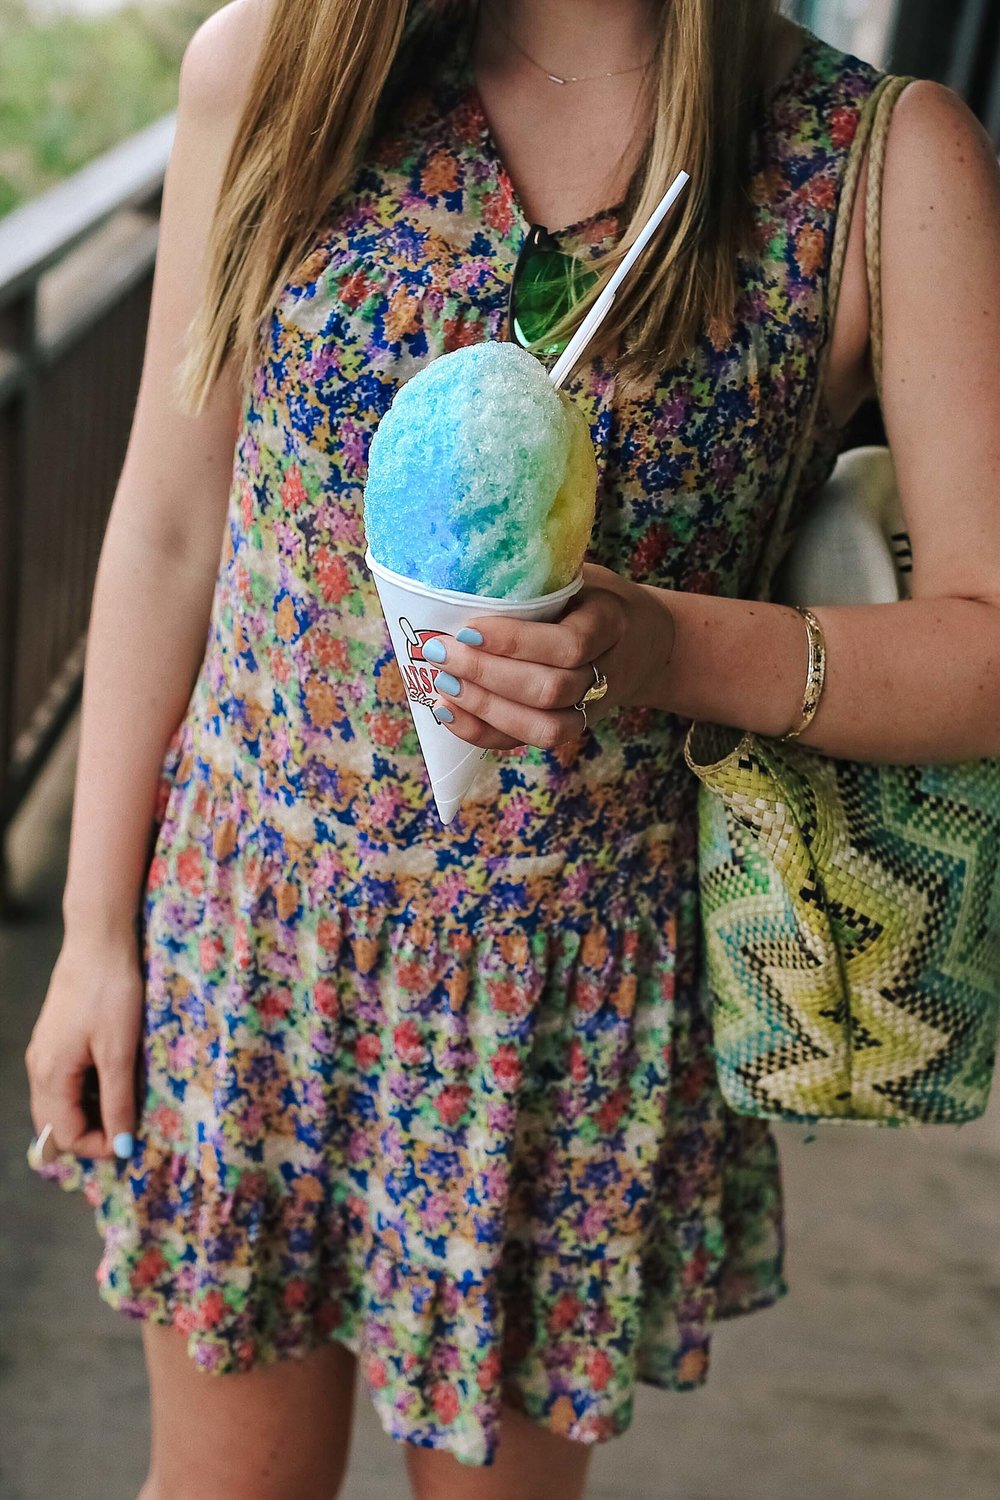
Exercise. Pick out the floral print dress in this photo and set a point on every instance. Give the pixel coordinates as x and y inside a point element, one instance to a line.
<point>446,1094</point>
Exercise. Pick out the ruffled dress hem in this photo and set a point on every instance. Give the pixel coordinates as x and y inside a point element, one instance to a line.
<point>422,1336</point>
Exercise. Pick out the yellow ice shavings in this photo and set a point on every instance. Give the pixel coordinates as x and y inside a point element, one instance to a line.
<point>571,515</point>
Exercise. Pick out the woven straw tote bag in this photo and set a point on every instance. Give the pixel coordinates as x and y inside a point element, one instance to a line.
<point>850,912</point>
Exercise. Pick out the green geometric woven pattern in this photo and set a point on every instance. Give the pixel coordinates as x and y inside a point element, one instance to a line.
<point>851,918</point>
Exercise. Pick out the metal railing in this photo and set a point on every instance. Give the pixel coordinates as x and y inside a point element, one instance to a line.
<point>76,266</point>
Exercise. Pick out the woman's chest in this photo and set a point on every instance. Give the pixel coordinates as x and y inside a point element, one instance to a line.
<point>416,260</point>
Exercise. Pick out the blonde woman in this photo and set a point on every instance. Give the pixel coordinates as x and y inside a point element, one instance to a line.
<point>438,1102</point>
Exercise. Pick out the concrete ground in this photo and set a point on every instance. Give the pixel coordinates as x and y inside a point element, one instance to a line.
<point>879,1376</point>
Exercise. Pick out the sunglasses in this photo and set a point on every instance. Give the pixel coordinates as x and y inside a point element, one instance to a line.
<point>547,283</point>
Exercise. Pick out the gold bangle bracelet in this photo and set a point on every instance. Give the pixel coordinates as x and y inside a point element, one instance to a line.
<point>815,673</point>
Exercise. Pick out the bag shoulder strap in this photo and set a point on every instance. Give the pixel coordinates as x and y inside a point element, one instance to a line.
<point>893,87</point>
<point>873,132</point>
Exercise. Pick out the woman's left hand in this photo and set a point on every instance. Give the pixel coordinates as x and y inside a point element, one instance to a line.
<point>519,686</point>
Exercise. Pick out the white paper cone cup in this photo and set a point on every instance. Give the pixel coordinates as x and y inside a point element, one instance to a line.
<point>414,614</point>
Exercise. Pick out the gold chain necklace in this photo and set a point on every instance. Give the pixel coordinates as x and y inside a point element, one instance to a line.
<point>572,77</point>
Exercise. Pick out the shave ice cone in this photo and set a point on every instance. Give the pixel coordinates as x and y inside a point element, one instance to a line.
<point>415,614</point>
<point>480,500</point>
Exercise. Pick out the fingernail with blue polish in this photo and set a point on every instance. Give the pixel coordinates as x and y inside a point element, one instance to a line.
<point>443,714</point>
<point>448,684</point>
<point>123,1145</point>
<point>468,636</point>
<point>434,650</point>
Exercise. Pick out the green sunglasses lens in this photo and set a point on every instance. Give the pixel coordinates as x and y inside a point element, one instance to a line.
<point>548,283</point>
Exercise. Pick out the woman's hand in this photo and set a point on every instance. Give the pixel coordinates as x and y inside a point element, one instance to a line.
<point>518,687</point>
<point>90,1020</point>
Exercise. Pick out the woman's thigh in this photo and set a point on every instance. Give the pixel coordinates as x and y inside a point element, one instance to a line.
<point>280,1432</point>
<point>531,1464</point>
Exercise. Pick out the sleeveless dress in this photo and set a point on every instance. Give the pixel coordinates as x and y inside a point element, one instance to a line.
<point>446,1094</point>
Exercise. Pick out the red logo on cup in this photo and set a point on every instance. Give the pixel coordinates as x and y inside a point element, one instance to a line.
<point>419,674</point>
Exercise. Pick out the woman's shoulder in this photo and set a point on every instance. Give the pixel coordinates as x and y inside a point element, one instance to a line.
<point>221,57</point>
<point>821,91</point>
<point>811,119</point>
<point>817,104</point>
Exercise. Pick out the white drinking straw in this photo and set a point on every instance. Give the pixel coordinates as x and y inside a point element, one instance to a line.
<point>570,356</point>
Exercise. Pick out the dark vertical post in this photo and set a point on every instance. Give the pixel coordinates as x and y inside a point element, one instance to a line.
<point>956,44</point>
<point>924,37</point>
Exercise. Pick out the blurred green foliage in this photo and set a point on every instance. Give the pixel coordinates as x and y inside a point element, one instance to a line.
<point>73,85</point>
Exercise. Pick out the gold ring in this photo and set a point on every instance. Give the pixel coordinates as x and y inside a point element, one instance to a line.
<point>597,689</point>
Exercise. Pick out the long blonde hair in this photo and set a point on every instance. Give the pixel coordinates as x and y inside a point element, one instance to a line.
<point>328,68</point>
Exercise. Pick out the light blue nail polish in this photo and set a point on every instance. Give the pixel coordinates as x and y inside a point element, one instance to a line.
<point>443,714</point>
<point>468,636</point>
<point>434,650</point>
<point>448,684</point>
<point>123,1145</point>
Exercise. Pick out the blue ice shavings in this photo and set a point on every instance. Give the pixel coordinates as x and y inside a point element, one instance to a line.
<point>462,472</point>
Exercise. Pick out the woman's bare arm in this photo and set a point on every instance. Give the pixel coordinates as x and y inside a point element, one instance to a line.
<point>160,555</point>
<point>918,680</point>
<point>149,620</point>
